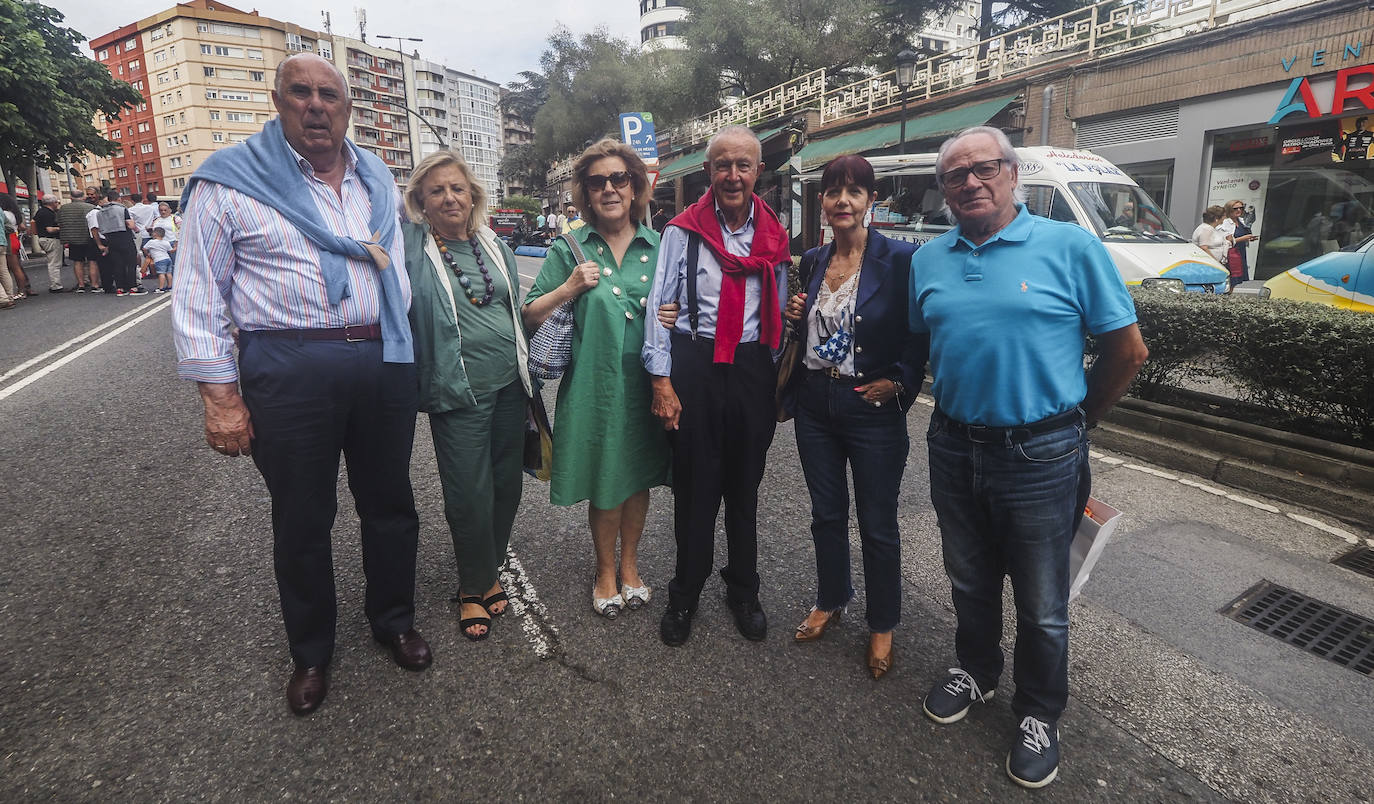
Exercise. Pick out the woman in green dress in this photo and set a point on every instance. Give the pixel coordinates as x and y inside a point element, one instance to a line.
<point>471,357</point>
<point>607,447</point>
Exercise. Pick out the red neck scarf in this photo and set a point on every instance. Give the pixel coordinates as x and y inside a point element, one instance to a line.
<point>768,250</point>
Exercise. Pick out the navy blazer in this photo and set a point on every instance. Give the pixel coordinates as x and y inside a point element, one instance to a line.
<point>884,346</point>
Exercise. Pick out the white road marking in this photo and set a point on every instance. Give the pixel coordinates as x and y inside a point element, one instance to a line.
<point>27,364</point>
<point>1340,533</point>
<point>526,605</point>
<point>1203,486</point>
<point>157,307</point>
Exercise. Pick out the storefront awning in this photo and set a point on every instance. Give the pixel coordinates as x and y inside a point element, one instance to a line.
<point>692,161</point>
<point>818,152</point>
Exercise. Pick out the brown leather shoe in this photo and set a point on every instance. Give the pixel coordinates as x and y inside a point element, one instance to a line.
<point>307,688</point>
<point>409,650</point>
<point>879,665</point>
<point>806,632</point>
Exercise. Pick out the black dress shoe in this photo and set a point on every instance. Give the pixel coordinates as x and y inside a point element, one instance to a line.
<point>749,618</point>
<point>675,626</point>
<point>307,688</point>
<point>409,650</point>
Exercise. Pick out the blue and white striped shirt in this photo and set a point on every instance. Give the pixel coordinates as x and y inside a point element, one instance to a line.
<point>240,261</point>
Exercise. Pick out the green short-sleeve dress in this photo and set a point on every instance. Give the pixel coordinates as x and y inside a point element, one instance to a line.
<point>606,444</point>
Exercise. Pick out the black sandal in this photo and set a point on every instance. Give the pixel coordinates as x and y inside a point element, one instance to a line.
<point>467,622</point>
<point>493,600</point>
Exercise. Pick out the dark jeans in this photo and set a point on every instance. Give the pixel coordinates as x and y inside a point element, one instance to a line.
<point>835,425</point>
<point>309,402</point>
<point>1011,509</point>
<point>719,452</point>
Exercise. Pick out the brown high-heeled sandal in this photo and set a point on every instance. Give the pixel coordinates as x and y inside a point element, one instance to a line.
<point>808,633</point>
<point>879,665</point>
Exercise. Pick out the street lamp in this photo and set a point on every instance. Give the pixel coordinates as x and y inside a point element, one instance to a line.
<point>906,76</point>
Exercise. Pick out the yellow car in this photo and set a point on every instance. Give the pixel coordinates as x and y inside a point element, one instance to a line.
<point>1339,278</point>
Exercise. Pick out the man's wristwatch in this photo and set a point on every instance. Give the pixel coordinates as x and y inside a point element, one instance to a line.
<point>897,387</point>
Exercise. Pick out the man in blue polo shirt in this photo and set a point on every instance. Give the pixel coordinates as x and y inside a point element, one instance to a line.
<point>1008,298</point>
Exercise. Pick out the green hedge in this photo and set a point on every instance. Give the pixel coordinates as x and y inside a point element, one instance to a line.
<point>1302,361</point>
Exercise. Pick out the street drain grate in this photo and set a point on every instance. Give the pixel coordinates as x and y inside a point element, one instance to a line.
<point>1360,560</point>
<point>1316,627</point>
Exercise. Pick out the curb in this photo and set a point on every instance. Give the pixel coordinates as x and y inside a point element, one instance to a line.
<point>1334,478</point>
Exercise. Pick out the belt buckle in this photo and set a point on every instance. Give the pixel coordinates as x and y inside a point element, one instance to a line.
<point>348,336</point>
<point>834,372</point>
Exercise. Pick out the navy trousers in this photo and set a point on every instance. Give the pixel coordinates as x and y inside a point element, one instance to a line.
<point>311,401</point>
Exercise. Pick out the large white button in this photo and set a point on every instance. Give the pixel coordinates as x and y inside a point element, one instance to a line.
<point>858,319</point>
<point>616,291</point>
<point>858,349</point>
<point>643,278</point>
<point>860,375</point>
<point>600,250</point>
<point>643,257</point>
<point>643,301</point>
<point>606,271</point>
<point>629,316</point>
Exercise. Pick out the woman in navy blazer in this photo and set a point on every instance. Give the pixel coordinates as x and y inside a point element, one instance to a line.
<point>860,370</point>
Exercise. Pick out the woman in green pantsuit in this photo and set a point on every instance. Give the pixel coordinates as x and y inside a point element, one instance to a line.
<point>607,447</point>
<point>470,355</point>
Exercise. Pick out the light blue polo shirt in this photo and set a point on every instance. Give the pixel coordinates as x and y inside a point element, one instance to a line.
<point>1007,318</point>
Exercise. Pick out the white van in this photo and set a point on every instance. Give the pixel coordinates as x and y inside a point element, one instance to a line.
<point>1062,184</point>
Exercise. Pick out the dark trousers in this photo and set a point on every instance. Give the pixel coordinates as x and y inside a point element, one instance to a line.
<point>836,426</point>
<point>309,402</point>
<point>1011,509</point>
<point>719,452</point>
<point>118,264</point>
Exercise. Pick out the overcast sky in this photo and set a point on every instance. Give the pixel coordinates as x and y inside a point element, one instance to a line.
<point>495,39</point>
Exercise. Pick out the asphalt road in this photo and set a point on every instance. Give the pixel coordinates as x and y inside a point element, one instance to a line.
<point>144,658</point>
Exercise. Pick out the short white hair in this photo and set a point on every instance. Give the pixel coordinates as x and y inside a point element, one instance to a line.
<point>732,132</point>
<point>1003,144</point>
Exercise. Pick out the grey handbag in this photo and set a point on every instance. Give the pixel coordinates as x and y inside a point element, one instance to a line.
<point>551,344</point>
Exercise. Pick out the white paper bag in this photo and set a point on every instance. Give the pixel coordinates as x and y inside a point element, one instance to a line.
<point>1098,525</point>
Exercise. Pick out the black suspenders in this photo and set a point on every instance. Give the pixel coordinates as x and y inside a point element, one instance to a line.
<point>693,254</point>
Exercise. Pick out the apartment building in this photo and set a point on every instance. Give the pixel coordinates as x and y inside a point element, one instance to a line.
<point>461,110</point>
<point>377,81</point>
<point>205,71</point>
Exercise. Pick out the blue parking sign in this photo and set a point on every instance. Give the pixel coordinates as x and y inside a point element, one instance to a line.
<point>637,130</point>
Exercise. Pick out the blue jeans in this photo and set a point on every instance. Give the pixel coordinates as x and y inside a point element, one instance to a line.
<point>835,425</point>
<point>1011,508</point>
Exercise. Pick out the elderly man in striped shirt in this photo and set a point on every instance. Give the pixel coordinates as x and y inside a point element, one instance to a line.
<point>293,237</point>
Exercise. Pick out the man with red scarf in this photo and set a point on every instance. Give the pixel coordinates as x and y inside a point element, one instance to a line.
<point>723,261</point>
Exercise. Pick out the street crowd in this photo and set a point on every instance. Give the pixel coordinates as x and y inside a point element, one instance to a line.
<point>316,322</point>
<point>114,242</point>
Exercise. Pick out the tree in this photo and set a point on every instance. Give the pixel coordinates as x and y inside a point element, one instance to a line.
<point>522,168</point>
<point>522,202</point>
<point>50,92</point>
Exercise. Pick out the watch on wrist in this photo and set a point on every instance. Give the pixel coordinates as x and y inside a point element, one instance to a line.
<point>898,387</point>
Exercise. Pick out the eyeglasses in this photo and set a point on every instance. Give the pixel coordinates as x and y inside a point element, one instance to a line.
<point>596,183</point>
<point>983,170</point>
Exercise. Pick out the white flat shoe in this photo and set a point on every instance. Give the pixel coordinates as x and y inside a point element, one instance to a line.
<point>635,596</point>
<point>608,607</point>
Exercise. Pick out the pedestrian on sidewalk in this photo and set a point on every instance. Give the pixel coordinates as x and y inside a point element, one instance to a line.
<point>723,261</point>
<point>1007,297</point>
<point>860,370</point>
<point>159,252</point>
<point>46,228</point>
<point>113,233</point>
<point>293,237</point>
<point>13,249</point>
<point>75,234</point>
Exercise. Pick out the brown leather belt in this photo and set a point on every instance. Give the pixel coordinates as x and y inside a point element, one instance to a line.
<point>352,334</point>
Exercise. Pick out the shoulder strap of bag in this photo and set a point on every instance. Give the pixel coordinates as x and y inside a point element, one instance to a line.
<point>576,247</point>
<point>693,255</point>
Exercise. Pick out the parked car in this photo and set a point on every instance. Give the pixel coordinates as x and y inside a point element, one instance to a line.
<point>1342,278</point>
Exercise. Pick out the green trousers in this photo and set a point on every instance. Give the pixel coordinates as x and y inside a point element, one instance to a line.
<point>480,454</point>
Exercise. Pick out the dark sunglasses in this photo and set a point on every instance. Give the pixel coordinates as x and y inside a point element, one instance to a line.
<point>983,170</point>
<point>619,180</point>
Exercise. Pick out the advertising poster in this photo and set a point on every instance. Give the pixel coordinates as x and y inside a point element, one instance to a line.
<point>1248,184</point>
<point>1355,141</point>
<point>1314,145</point>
